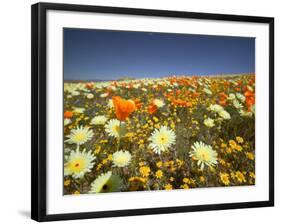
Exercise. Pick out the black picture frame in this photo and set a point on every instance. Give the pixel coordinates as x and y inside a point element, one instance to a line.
<point>39,116</point>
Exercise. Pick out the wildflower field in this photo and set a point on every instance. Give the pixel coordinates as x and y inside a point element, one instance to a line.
<point>177,132</point>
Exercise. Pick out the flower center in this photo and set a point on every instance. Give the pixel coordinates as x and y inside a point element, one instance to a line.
<point>162,139</point>
<point>121,159</point>
<point>80,137</point>
<point>77,166</point>
<point>204,156</point>
<point>116,128</point>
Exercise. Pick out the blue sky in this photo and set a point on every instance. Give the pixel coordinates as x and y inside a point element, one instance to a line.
<point>107,55</point>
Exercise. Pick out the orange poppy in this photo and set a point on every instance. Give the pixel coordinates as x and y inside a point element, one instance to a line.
<point>250,101</point>
<point>89,85</point>
<point>222,96</point>
<point>68,114</point>
<point>123,108</point>
<point>137,103</point>
<point>223,102</point>
<point>182,103</point>
<point>249,93</point>
<point>152,108</point>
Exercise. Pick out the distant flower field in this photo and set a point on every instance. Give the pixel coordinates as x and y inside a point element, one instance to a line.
<point>178,132</point>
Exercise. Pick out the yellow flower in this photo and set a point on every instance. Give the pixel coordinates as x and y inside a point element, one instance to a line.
<point>129,135</point>
<point>185,186</point>
<point>137,183</point>
<point>179,162</point>
<point>76,192</point>
<point>239,139</point>
<point>232,144</point>
<point>240,177</point>
<point>168,187</point>
<point>98,149</point>
<point>159,164</point>
<point>103,141</point>
<point>144,170</point>
<point>186,180</point>
<point>224,178</point>
<point>159,174</point>
<point>222,162</point>
<point>252,175</point>
<point>131,179</point>
<point>239,148</point>
<point>99,166</point>
<point>155,119</point>
<point>66,182</point>
<point>228,150</point>
<point>202,179</point>
<point>172,179</point>
<point>250,155</point>
<point>104,161</point>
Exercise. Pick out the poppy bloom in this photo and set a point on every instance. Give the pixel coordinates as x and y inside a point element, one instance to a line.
<point>89,85</point>
<point>223,98</point>
<point>123,108</point>
<point>249,94</point>
<point>250,101</point>
<point>195,94</point>
<point>152,108</point>
<point>223,102</point>
<point>182,103</point>
<point>67,114</point>
<point>137,103</point>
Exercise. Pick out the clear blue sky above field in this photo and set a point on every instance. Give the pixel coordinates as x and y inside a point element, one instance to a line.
<point>108,55</point>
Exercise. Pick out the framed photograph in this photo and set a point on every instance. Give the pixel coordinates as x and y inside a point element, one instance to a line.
<point>139,111</point>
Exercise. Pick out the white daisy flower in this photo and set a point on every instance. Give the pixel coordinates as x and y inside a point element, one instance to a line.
<point>110,103</point>
<point>231,96</point>
<point>80,135</point>
<point>224,114</point>
<point>161,139</point>
<point>121,158</point>
<point>158,103</point>
<point>78,163</point>
<point>204,154</point>
<point>78,110</point>
<point>241,97</point>
<point>90,96</point>
<point>104,95</point>
<point>245,113</point>
<point>237,104</point>
<point>66,121</point>
<point>215,107</point>
<point>144,89</point>
<point>207,91</point>
<point>113,128</point>
<point>99,120</point>
<point>209,122</point>
<point>106,182</point>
